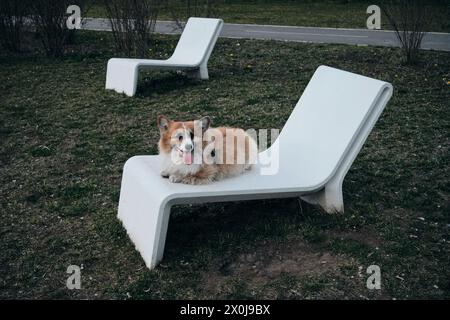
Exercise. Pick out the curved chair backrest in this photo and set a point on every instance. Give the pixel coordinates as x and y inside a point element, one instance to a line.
<point>197,40</point>
<point>330,122</point>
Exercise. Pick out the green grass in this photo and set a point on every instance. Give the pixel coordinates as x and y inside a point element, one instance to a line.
<point>64,140</point>
<point>332,14</point>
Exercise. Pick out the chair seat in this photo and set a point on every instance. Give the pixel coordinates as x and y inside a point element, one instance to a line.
<point>151,63</point>
<point>252,182</point>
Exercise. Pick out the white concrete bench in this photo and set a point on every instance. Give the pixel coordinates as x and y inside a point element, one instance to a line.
<point>315,149</point>
<point>191,54</point>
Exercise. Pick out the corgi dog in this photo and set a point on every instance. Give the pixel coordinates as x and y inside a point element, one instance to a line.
<point>195,153</point>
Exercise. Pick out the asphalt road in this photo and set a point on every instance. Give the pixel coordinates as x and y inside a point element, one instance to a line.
<point>431,41</point>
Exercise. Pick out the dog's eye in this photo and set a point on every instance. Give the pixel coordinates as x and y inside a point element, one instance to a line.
<point>180,138</point>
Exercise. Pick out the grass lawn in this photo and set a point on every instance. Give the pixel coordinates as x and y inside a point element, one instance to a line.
<point>333,14</point>
<point>64,140</point>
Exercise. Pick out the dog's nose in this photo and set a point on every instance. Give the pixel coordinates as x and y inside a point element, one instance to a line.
<point>188,147</point>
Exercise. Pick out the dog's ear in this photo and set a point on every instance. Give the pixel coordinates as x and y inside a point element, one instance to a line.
<point>205,122</point>
<point>163,123</point>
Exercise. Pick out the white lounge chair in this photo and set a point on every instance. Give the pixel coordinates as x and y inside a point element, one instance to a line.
<point>192,54</point>
<point>316,148</point>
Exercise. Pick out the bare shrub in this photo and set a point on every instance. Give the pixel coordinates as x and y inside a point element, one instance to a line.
<point>49,18</point>
<point>12,22</point>
<point>409,19</point>
<point>132,22</point>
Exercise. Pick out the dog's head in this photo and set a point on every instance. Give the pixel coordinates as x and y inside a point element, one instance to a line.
<point>182,138</point>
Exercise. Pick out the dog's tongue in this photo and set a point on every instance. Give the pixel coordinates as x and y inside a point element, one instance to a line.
<point>187,156</point>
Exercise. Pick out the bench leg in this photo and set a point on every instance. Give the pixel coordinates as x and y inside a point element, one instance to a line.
<point>201,73</point>
<point>121,76</point>
<point>329,198</point>
<point>144,215</point>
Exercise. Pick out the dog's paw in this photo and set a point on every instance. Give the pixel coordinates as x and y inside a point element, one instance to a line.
<point>165,175</point>
<point>175,179</point>
<point>195,180</point>
<point>249,166</point>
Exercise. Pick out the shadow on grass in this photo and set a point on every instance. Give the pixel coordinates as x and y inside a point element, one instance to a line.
<point>161,83</point>
<point>223,229</point>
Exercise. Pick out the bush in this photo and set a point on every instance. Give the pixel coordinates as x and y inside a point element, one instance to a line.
<point>132,22</point>
<point>49,18</point>
<point>12,18</point>
<point>409,19</point>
